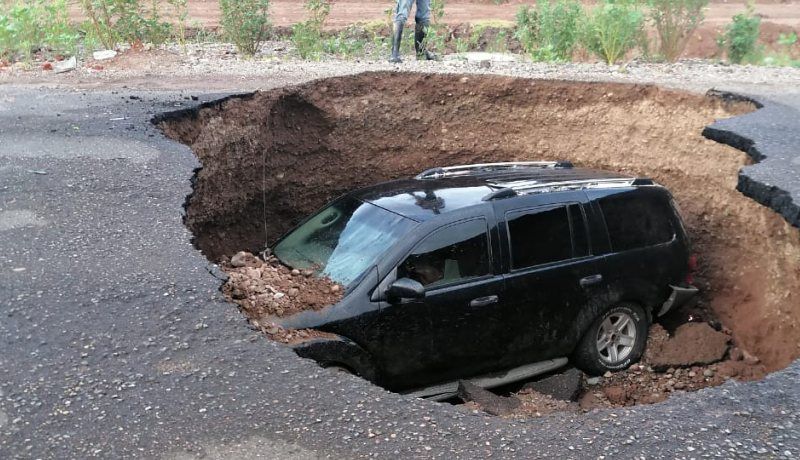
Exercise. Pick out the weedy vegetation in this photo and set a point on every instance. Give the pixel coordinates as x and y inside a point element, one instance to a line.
<point>245,23</point>
<point>549,31</point>
<point>675,21</point>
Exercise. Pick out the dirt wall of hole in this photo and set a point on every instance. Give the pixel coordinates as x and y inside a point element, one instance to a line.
<point>270,158</point>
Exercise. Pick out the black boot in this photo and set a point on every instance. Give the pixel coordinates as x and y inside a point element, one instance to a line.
<point>397,38</point>
<point>420,30</point>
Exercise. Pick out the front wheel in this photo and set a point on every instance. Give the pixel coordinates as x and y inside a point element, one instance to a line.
<point>614,341</point>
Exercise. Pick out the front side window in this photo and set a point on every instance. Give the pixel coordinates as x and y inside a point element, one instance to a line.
<point>449,255</point>
<point>636,221</point>
<point>544,235</point>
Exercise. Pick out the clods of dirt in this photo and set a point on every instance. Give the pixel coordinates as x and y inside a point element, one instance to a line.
<point>289,336</point>
<point>642,383</point>
<point>692,344</point>
<point>266,289</point>
<point>650,382</point>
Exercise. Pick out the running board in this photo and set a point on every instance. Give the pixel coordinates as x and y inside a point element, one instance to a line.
<point>448,390</point>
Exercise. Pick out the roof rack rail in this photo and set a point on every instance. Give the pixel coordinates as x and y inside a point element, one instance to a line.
<point>524,187</point>
<point>463,170</point>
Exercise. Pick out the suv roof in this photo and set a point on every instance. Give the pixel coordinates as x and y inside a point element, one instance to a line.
<point>440,190</point>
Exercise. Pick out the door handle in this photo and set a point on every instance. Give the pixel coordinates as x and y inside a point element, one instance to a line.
<point>484,301</point>
<point>590,280</point>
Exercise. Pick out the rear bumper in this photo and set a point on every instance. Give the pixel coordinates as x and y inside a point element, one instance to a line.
<point>680,296</point>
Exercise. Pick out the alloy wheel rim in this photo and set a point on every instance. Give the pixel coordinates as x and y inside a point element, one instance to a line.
<point>616,337</point>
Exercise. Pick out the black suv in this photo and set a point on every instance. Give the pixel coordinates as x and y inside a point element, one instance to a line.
<point>491,272</point>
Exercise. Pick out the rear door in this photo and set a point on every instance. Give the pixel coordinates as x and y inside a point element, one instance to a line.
<point>459,328</point>
<point>552,276</point>
<point>644,254</point>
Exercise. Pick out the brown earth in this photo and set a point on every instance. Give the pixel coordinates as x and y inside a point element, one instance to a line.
<point>642,383</point>
<point>271,158</point>
<point>269,289</point>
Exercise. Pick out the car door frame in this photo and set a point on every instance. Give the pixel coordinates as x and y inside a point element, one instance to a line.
<point>569,329</point>
<point>389,266</point>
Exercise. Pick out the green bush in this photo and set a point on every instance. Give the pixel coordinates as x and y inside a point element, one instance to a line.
<point>549,31</point>
<point>346,43</point>
<point>113,21</point>
<point>613,28</point>
<point>675,21</point>
<point>33,25</point>
<point>307,35</point>
<point>741,36</point>
<point>783,56</point>
<point>180,10</point>
<point>438,32</point>
<point>245,23</point>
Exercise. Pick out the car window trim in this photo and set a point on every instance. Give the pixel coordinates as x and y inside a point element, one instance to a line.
<point>564,205</point>
<point>475,279</point>
<point>651,246</point>
<point>555,264</point>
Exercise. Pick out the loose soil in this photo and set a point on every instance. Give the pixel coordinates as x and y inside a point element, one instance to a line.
<point>265,289</point>
<point>271,158</point>
<point>642,383</point>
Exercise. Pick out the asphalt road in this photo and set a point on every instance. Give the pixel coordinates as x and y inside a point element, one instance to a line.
<point>115,342</point>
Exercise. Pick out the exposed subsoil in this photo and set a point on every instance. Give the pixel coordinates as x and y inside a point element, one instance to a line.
<point>270,158</point>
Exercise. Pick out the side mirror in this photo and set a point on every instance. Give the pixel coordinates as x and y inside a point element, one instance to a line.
<point>406,288</point>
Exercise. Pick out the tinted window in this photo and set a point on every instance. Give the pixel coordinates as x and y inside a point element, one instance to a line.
<point>451,254</point>
<point>636,221</point>
<point>544,235</point>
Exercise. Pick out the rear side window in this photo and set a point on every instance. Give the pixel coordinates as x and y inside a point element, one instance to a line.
<point>544,235</point>
<point>637,221</point>
<point>449,255</point>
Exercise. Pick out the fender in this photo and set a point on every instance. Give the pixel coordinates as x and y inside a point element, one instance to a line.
<point>339,350</point>
<point>644,294</point>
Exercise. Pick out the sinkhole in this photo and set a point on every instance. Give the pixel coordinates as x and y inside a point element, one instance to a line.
<point>271,158</point>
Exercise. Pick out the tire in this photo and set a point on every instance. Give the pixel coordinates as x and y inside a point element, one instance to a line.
<point>614,341</point>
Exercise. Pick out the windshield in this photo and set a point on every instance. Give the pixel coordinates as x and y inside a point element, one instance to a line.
<point>342,240</point>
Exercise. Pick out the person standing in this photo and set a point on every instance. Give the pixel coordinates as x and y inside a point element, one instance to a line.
<point>422,19</point>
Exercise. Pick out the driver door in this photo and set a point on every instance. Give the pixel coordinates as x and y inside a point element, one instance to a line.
<point>458,328</point>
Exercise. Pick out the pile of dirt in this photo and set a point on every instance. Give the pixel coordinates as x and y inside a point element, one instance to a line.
<point>650,381</point>
<point>266,289</point>
<point>290,336</point>
<point>271,158</point>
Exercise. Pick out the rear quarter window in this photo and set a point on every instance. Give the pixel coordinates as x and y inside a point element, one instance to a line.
<point>637,220</point>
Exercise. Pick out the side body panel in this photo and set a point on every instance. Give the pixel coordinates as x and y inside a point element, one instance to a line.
<point>548,301</point>
<point>643,275</point>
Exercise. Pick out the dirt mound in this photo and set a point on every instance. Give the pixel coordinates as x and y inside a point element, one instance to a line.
<point>271,158</point>
<point>693,343</point>
<point>265,289</point>
<point>650,381</point>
